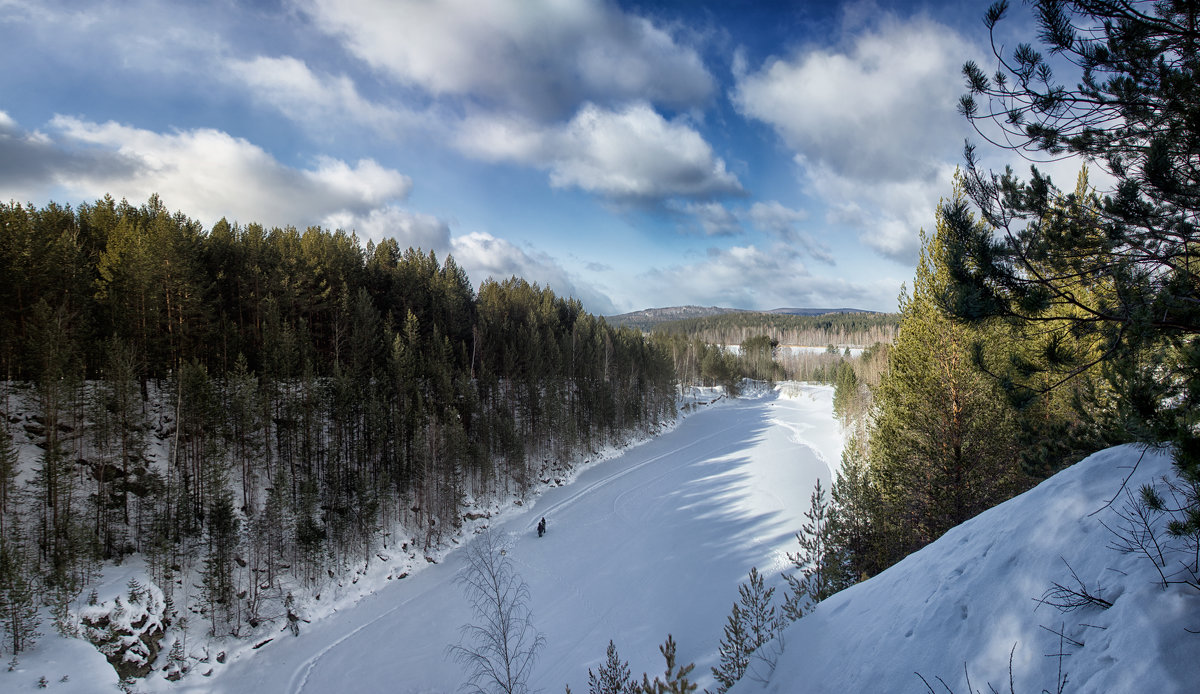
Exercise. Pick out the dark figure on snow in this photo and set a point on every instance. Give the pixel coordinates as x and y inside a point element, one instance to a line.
<point>542,527</point>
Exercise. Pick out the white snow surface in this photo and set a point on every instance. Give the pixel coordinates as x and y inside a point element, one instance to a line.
<point>958,606</point>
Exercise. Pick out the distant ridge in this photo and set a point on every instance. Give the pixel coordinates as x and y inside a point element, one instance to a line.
<point>650,317</point>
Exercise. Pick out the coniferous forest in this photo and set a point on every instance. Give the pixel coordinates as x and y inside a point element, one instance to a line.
<point>269,407</point>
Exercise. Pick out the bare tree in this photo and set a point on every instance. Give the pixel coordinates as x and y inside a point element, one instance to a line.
<point>500,648</point>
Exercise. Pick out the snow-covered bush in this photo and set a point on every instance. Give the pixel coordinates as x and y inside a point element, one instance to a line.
<point>128,632</point>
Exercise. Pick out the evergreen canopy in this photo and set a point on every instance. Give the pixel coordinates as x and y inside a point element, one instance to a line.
<point>1118,272</point>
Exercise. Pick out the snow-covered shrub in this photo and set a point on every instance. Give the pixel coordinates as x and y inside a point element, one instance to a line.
<point>128,632</point>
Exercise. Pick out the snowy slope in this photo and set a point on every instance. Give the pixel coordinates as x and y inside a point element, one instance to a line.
<point>970,596</point>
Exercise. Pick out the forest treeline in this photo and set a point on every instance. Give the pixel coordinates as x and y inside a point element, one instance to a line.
<point>858,329</point>
<point>770,347</point>
<point>264,406</point>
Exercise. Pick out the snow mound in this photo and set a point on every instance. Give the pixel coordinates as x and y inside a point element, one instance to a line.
<point>958,607</point>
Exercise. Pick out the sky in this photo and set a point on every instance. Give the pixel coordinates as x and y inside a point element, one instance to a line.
<point>631,154</point>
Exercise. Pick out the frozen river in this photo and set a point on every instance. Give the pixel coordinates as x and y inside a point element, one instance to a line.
<point>651,542</point>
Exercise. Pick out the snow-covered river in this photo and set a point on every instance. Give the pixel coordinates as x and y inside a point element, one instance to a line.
<point>651,542</point>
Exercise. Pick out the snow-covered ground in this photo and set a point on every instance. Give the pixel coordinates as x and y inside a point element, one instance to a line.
<point>969,598</point>
<point>651,542</point>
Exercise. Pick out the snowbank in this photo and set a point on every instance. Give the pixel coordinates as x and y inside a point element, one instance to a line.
<point>969,598</point>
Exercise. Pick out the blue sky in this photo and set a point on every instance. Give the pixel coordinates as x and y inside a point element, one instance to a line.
<point>631,154</point>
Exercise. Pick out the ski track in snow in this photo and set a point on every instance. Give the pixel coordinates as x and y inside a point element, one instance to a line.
<point>605,481</point>
<point>307,666</point>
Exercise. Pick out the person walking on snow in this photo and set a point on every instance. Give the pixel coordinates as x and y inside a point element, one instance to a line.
<point>542,527</point>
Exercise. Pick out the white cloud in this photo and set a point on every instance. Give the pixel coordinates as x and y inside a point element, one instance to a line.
<point>316,100</point>
<point>484,256</point>
<point>410,229</point>
<point>881,107</point>
<point>773,217</point>
<point>541,57</point>
<point>209,174</point>
<point>872,123</point>
<point>627,154</point>
<point>784,223</point>
<point>29,161</point>
<point>711,218</point>
<point>887,214</point>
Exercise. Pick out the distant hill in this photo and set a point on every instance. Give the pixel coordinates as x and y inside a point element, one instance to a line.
<point>647,319</point>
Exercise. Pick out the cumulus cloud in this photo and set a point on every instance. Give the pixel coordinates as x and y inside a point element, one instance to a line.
<point>316,100</point>
<point>540,57</point>
<point>780,279</point>
<point>484,256</point>
<point>784,223</point>
<point>627,154</point>
<point>772,218</point>
<point>871,122</point>
<point>881,107</point>
<point>31,162</point>
<point>208,173</point>
<point>887,214</point>
<point>410,229</point>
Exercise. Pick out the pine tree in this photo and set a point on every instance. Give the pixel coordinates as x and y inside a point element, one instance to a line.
<point>613,677</point>
<point>1128,104</point>
<point>674,681</point>
<point>59,535</point>
<point>762,622</point>
<point>733,651</point>
<point>8,479</point>
<point>820,563</point>
<point>218,579</point>
<point>751,626</point>
<point>943,440</point>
